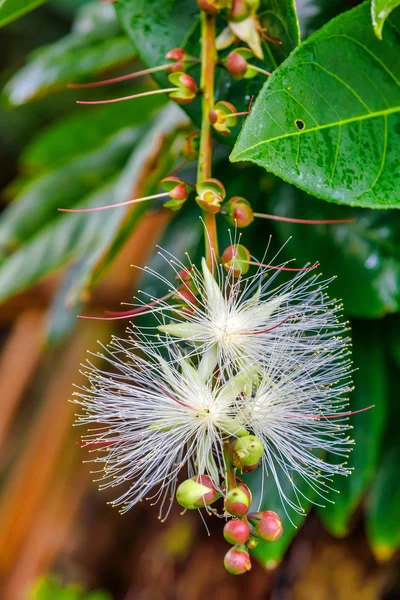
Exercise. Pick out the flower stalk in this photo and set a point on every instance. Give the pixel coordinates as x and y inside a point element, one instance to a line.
<point>208,61</point>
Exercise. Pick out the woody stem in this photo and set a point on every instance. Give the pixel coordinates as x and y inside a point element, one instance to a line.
<point>208,59</point>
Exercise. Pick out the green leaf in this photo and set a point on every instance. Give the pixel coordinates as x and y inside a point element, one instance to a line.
<point>118,225</point>
<point>63,188</point>
<point>65,239</point>
<point>380,10</point>
<point>329,124</point>
<point>96,20</point>
<point>371,387</point>
<point>84,132</point>
<point>269,554</point>
<point>154,28</point>
<point>365,255</point>
<point>383,501</point>
<point>71,59</point>
<point>13,9</point>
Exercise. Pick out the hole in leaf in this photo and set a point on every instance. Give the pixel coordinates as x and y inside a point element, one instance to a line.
<point>299,124</point>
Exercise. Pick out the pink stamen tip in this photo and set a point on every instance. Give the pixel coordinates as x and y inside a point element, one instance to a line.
<point>304,221</point>
<point>347,414</point>
<point>266,330</point>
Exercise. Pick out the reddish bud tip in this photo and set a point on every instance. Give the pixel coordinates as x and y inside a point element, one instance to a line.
<point>177,54</point>
<point>178,190</point>
<point>236,532</point>
<point>267,525</point>
<point>238,212</point>
<point>186,87</point>
<point>212,7</point>
<point>236,65</point>
<point>213,116</point>
<point>237,560</point>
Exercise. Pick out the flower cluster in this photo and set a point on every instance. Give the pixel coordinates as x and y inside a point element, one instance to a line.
<point>238,372</point>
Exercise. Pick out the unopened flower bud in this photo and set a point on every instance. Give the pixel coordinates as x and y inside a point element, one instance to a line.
<point>237,560</point>
<point>223,116</point>
<point>238,212</point>
<point>211,193</point>
<point>267,525</point>
<point>236,65</point>
<point>236,532</point>
<point>191,145</point>
<point>237,500</point>
<point>197,492</point>
<point>212,7</point>
<point>179,191</point>
<point>247,453</point>
<point>241,9</point>
<point>186,87</point>
<point>236,260</point>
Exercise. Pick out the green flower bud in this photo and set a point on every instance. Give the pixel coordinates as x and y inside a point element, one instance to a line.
<point>211,193</point>
<point>267,525</point>
<point>186,87</point>
<point>236,260</point>
<point>247,453</point>
<point>179,191</point>
<point>197,492</point>
<point>237,560</point>
<point>236,532</point>
<point>237,500</point>
<point>223,117</point>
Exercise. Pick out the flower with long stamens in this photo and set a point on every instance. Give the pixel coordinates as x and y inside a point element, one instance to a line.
<point>245,320</point>
<point>298,410</point>
<point>150,418</point>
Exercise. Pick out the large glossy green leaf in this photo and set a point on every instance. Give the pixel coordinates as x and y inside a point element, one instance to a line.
<point>365,255</point>
<point>13,9</point>
<point>63,188</point>
<point>371,387</point>
<point>328,123</point>
<point>270,554</point>
<point>71,59</point>
<point>83,132</point>
<point>154,28</point>
<point>380,10</point>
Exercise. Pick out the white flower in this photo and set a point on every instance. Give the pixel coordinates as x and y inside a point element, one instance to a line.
<point>153,417</point>
<point>298,415</point>
<point>247,320</point>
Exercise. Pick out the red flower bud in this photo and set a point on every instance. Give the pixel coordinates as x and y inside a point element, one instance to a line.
<point>237,500</point>
<point>186,87</point>
<point>236,532</point>
<point>238,212</point>
<point>236,65</point>
<point>177,54</point>
<point>179,191</point>
<point>267,524</point>
<point>237,560</point>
